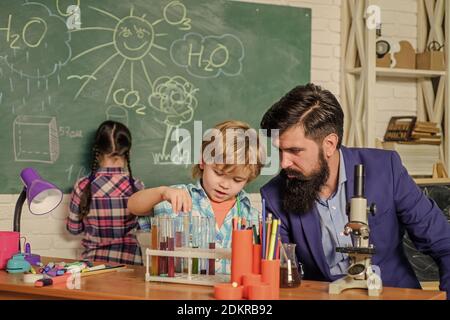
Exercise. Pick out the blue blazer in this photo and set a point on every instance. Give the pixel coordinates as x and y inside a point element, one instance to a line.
<point>401,206</point>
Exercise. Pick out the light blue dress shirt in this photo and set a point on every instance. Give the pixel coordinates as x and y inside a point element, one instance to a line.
<point>333,219</point>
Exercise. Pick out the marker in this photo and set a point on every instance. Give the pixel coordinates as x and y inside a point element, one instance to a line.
<point>52,272</point>
<point>50,281</point>
<point>27,248</point>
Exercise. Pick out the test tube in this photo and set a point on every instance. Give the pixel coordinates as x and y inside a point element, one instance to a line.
<point>187,240</point>
<point>163,261</point>
<point>154,244</point>
<point>179,238</point>
<point>195,234</point>
<point>211,244</point>
<point>171,246</point>
<point>204,243</point>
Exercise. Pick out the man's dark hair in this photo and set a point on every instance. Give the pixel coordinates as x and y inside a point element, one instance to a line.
<point>315,109</point>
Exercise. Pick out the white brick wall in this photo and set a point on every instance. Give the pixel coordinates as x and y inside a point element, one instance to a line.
<point>47,234</point>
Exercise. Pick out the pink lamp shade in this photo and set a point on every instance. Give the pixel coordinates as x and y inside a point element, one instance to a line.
<point>42,196</point>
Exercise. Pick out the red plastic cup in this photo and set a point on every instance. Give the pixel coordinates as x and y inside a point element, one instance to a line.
<point>226,291</point>
<point>261,291</point>
<point>241,254</point>
<point>249,279</point>
<point>256,258</point>
<point>270,271</point>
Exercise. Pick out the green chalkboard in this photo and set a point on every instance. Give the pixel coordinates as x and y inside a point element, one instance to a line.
<point>156,65</point>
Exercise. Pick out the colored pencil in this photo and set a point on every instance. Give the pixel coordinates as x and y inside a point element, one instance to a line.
<point>272,239</point>
<point>268,233</point>
<point>277,241</point>
<point>263,233</point>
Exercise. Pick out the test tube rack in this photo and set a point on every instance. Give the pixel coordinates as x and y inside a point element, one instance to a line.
<point>189,253</point>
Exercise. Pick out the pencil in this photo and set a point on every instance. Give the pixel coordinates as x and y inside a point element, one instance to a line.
<point>272,239</point>
<point>263,233</point>
<point>277,241</point>
<point>268,233</point>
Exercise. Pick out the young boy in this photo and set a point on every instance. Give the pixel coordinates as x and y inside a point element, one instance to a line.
<point>229,162</point>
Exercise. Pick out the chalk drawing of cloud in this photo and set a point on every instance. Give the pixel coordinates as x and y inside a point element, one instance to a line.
<point>36,44</point>
<point>209,56</point>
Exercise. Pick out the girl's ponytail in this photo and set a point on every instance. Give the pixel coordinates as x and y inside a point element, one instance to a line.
<point>86,195</point>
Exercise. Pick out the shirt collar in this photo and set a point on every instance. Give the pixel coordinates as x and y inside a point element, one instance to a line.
<point>342,172</point>
<point>341,179</point>
<point>242,195</point>
<point>112,170</point>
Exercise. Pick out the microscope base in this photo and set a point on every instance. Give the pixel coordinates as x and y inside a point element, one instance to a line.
<point>336,287</point>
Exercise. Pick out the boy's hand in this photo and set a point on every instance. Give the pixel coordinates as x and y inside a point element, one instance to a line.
<point>179,199</point>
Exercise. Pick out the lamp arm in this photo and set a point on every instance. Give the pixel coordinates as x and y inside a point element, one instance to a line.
<point>18,209</point>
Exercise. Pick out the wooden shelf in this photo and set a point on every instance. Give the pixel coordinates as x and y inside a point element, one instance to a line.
<point>402,73</point>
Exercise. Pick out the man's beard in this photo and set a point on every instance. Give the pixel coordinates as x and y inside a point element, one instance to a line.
<point>301,192</point>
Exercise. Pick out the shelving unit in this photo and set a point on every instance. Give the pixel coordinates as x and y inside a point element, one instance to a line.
<point>359,73</point>
<point>401,73</point>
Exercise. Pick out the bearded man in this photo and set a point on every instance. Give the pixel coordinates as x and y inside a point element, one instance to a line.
<point>310,194</point>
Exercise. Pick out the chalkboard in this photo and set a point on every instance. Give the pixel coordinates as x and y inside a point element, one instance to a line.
<point>157,66</point>
<point>423,265</point>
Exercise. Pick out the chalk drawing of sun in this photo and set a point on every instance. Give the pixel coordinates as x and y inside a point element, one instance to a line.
<point>133,39</point>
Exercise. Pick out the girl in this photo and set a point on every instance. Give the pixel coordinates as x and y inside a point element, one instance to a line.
<point>98,204</point>
<point>218,191</point>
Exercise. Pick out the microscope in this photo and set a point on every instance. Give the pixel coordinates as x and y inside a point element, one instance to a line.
<point>360,273</point>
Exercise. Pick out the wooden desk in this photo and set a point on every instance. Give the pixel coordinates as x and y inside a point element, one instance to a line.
<point>131,285</point>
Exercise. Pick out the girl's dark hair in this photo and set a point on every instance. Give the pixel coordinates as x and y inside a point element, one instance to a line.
<point>315,109</point>
<point>113,139</point>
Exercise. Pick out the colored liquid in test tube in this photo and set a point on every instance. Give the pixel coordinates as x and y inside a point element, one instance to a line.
<point>211,244</point>
<point>171,246</point>
<point>195,233</point>
<point>155,242</point>
<point>186,241</point>
<point>163,261</point>
<point>203,243</point>
<point>179,238</point>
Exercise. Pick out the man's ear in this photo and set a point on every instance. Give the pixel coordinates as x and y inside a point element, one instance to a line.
<point>329,144</point>
<point>201,165</point>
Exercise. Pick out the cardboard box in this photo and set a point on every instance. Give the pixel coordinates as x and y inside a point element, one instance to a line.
<point>431,60</point>
<point>405,58</point>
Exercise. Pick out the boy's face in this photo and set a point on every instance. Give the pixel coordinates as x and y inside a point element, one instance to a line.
<point>220,185</point>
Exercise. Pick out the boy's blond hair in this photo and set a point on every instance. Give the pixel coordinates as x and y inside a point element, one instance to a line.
<point>253,154</point>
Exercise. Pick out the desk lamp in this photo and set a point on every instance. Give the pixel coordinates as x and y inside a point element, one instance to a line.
<point>42,196</point>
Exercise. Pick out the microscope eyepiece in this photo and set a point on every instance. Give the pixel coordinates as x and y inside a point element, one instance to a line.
<point>359,181</point>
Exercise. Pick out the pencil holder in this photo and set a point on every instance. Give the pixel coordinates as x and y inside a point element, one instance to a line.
<point>270,271</point>
<point>260,291</point>
<point>256,268</point>
<point>241,254</point>
<point>248,280</point>
<point>226,291</point>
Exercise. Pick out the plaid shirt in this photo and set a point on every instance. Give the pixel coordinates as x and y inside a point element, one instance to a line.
<point>109,227</point>
<point>201,207</point>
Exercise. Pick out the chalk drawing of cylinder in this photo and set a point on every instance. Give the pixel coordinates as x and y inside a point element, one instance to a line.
<point>36,139</point>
